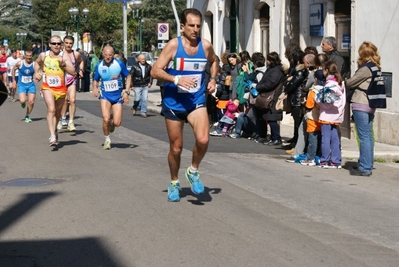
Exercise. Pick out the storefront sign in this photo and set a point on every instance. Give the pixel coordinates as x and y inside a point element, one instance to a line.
<point>316,20</point>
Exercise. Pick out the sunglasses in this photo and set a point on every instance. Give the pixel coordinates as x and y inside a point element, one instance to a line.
<point>55,43</point>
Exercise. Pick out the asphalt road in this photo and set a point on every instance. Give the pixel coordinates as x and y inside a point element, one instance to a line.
<point>109,208</point>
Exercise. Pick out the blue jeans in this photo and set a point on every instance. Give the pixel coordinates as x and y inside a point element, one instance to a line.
<point>274,131</point>
<point>244,124</point>
<point>141,98</point>
<point>313,144</point>
<point>364,128</point>
<point>330,144</point>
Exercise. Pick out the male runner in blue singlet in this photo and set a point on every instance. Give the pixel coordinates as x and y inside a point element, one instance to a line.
<point>26,85</point>
<point>111,94</point>
<point>181,65</point>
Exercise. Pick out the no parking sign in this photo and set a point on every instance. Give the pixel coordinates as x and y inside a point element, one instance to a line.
<point>163,31</point>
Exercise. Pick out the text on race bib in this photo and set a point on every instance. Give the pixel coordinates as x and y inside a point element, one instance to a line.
<point>26,79</point>
<point>54,81</point>
<point>110,86</point>
<point>197,86</point>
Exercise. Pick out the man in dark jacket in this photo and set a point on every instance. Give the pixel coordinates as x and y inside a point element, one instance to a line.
<point>329,46</point>
<point>141,80</point>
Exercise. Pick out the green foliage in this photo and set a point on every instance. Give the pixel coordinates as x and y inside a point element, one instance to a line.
<point>154,12</point>
<point>380,160</point>
<point>16,16</point>
<point>104,19</point>
<point>44,12</point>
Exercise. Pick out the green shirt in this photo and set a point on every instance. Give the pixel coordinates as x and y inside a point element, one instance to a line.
<point>94,61</point>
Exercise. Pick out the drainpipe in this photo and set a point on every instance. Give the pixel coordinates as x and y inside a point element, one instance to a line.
<point>281,27</point>
<point>176,17</point>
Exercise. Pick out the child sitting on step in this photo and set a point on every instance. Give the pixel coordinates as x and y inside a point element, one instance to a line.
<point>228,119</point>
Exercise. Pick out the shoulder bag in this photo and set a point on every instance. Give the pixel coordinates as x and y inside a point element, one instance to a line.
<point>265,100</point>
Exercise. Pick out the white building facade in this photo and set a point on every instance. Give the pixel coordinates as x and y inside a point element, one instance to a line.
<point>269,25</point>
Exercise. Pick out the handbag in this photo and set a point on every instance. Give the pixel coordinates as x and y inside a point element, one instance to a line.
<point>253,93</point>
<point>265,100</point>
<point>281,103</point>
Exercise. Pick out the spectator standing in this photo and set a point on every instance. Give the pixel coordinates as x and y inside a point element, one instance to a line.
<point>293,89</point>
<point>86,72</point>
<point>312,127</point>
<point>141,81</point>
<point>271,79</point>
<point>232,68</point>
<point>291,49</point>
<point>93,63</point>
<point>332,107</point>
<point>329,46</point>
<point>363,114</point>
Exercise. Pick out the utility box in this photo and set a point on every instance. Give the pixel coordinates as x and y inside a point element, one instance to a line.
<point>388,83</point>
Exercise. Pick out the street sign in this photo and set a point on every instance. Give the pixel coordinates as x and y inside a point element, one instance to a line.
<point>163,31</point>
<point>161,45</point>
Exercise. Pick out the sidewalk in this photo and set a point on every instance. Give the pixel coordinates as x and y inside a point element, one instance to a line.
<point>383,152</point>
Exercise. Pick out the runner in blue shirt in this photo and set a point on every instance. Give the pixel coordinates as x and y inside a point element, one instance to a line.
<point>181,66</point>
<point>26,85</point>
<point>110,91</point>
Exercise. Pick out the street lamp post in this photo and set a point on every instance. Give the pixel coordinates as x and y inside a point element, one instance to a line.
<point>135,6</point>
<point>77,18</point>
<point>21,37</point>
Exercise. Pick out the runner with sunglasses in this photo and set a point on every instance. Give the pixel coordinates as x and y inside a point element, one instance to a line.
<point>51,68</point>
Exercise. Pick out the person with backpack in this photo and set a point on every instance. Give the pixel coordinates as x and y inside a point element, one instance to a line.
<point>366,79</point>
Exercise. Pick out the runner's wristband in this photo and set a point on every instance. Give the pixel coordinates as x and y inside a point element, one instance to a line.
<point>176,79</point>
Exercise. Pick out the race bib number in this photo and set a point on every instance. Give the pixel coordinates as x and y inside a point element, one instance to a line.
<point>26,79</point>
<point>3,65</point>
<point>53,81</point>
<point>196,88</point>
<point>110,86</point>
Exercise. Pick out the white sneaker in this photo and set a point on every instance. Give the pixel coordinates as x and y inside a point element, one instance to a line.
<point>59,125</point>
<point>107,145</point>
<point>215,133</point>
<point>308,162</point>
